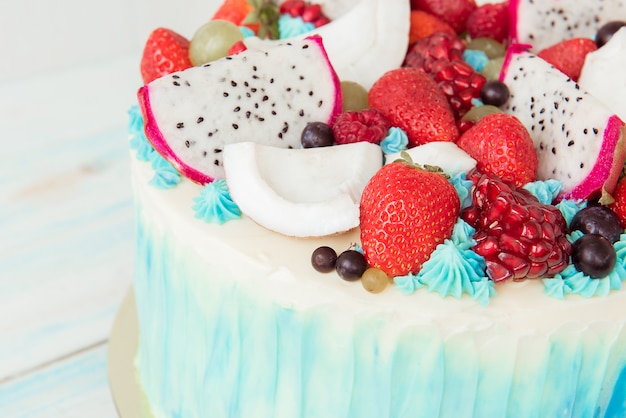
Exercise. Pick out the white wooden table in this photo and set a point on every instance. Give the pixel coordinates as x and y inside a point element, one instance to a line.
<point>66,236</point>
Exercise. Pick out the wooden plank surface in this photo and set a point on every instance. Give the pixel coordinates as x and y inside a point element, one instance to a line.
<point>66,236</point>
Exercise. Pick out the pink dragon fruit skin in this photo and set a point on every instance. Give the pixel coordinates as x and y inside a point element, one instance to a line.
<point>577,139</point>
<point>542,23</point>
<point>264,96</point>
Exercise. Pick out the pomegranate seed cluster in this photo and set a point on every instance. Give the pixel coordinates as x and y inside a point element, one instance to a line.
<point>441,56</point>
<point>519,237</point>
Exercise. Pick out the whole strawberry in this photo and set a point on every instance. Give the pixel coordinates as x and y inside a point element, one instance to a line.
<point>519,237</point>
<point>501,146</point>
<point>454,12</point>
<point>405,212</point>
<point>569,56</point>
<point>165,52</point>
<point>411,100</point>
<point>490,20</point>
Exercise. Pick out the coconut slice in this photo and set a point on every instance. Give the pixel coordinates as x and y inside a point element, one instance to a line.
<point>301,192</point>
<point>447,155</point>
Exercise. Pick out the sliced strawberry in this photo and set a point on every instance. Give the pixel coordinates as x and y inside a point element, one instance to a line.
<point>405,213</point>
<point>569,56</point>
<point>165,52</point>
<point>489,21</point>
<point>453,12</point>
<point>411,100</point>
<point>502,146</point>
<point>424,24</point>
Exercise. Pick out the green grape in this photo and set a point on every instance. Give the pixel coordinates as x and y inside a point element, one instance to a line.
<point>491,70</point>
<point>477,112</point>
<point>374,280</point>
<point>491,48</point>
<point>354,96</point>
<point>212,41</point>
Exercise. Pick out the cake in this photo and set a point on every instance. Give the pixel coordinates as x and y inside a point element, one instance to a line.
<point>234,321</point>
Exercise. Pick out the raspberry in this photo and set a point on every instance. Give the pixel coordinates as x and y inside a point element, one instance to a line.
<point>519,237</point>
<point>441,56</point>
<point>368,125</point>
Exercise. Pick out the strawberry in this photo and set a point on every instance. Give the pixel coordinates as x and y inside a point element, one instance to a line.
<point>501,146</point>
<point>489,21</point>
<point>405,213</point>
<point>424,24</point>
<point>411,100</point>
<point>569,56</point>
<point>453,12</point>
<point>235,11</point>
<point>165,52</point>
<point>619,204</point>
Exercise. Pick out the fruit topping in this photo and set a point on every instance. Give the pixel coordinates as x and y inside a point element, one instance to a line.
<point>441,56</point>
<point>317,134</point>
<point>324,259</point>
<point>374,280</point>
<point>351,265</point>
<point>454,12</point>
<point>518,236</point>
<point>368,125</point>
<point>354,96</point>
<point>213,40</point>
<point>606,31</point>
<point>411,100</point>
<point>569,56</point>
<point>165,52</point>
<point>424,24</point>
<point>406,212</point>
<point>494,93</point>
<point>490,20</point>
<point>619,201</point>
<point>599,220</point>
<point>502,146</point>
<point>593,255</point>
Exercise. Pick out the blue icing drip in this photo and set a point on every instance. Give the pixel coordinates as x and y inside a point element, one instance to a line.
<point>138,140</point>
<point>165,175</point>
<point>546,191</point>
<point>462,186</point>
<point>483,290</point>
<point>477,59</point>
<point>214,205</point>
<point>407,284</point>
<point>569,208</point>
<point>555,287</point>
<point>395,141</point>
<point>289,26</point>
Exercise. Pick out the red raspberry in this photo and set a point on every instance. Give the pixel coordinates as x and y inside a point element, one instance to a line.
<point>519,237</point>
<point>489,21</point>
<point>368,125</point>
<point>441,56</point>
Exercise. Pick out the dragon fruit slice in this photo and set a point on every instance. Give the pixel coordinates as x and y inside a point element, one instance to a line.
<point>542,23</point>
<point>266,96</point>
<point>577,139</point>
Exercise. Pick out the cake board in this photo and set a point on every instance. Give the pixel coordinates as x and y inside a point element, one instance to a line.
<point>127,395</point>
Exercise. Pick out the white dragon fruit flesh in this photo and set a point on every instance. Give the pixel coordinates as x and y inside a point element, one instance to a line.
<point>267,96</point>
<point>577,139</point>
<point>542,23</point>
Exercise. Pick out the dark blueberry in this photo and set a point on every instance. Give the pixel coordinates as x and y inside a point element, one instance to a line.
<point>351,265</point>
<point>323,259</point>
<point>494,93</point>
<point>606,31</point>
<point>317,134</point>
<point>597,220</point>
<point>593,255</point>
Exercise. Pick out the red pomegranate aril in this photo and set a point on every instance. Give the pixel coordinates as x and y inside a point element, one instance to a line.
<point>321,21</point>
<point>498,209</point>
<point>509,243</point>
<point>498,272</point>
<point>537,270</point>
<point>517,265</point>
<point>311,12</point>
<point>531,230</point>
<point>487,247</point>
<point>539,251</point>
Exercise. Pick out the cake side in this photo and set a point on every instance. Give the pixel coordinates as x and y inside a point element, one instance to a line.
<point>234,317</point>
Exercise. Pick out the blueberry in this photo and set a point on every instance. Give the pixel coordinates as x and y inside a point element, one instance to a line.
<point>597,220</point>
<point>494,93</point>
<point>606,31</point>
<point>323,259</point>
<point>351,265</point>
<point>317,134</point>
<point>593,255</point>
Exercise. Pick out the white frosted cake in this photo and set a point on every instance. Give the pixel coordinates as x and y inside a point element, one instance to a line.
<point>234,319</point>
